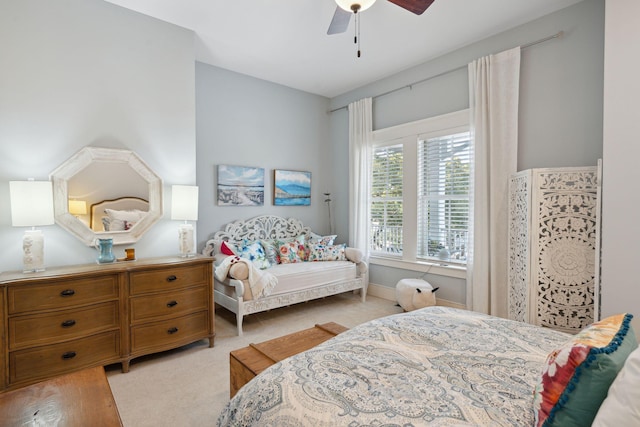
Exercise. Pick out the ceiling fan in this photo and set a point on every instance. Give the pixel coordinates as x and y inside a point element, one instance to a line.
<point>346,8</point>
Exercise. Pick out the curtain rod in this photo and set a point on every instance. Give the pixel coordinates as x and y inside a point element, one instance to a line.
<point>410,85</point>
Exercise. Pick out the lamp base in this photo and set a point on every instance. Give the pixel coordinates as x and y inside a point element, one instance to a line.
<point>33,248</point>
<point>186,241</point>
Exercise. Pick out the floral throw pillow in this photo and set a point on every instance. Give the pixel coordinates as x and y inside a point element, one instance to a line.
<point>254,252</point>
<point>322,240</point>
<point>293,251</point>
<point>271,248</point>
<point>576,377</point>
<point>327,253</point>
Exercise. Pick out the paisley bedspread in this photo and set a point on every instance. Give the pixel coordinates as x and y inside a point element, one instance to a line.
<point>437,366</point>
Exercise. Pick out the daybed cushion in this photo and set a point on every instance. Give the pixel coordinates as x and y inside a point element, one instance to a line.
<point>621,408</point>
<point>577,375</point>
<point>293,277</point>
<point>300,276</point>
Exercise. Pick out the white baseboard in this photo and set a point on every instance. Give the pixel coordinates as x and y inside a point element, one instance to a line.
<point>388,293</point>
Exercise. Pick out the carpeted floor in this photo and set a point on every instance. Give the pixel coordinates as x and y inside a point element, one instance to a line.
<point>189,386</point>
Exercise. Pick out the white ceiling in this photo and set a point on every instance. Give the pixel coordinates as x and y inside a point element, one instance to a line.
<point>286,41</point>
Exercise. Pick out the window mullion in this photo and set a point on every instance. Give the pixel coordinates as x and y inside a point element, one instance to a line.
<point>410,202</point>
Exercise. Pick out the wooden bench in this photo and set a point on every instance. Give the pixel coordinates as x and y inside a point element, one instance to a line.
<point>249,361</point>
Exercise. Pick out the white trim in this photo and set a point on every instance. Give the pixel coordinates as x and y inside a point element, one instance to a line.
<point>408,135</point>
<point>389,294</point>
<point>449,270</point>
<point>445,125</point>
<point>381,291</point>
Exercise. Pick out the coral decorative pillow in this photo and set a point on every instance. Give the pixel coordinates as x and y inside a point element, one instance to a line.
<point>327,253</point>
<point>255,253</point>
<point>577,376</point>
<point>294,251</point>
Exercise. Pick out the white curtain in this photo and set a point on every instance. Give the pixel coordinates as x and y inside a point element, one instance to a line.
<point>493,100</point>
<point>360,131</point>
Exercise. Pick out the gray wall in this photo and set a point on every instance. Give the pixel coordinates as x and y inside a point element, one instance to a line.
<point>87,72</point>
<point>560,114</point>
<point>620,229</point>
<point>245,121</point>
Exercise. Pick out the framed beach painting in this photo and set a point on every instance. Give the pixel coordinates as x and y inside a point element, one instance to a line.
<point>240,186</point>
<point>291,188</point>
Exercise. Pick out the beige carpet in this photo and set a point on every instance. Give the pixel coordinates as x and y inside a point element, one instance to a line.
<point>189,386</point>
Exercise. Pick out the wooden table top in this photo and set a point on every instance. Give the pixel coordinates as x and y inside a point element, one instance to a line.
<point>81,398</point>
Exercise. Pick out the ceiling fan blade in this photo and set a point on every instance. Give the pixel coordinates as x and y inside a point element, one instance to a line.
<point>340,21</point>
<point>415,6</point>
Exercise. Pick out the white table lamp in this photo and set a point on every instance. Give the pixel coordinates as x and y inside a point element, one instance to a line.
<point>32,205</point>
<point>184,206</point>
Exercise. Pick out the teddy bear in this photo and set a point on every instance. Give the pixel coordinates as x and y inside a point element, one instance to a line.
<point>413,294</point>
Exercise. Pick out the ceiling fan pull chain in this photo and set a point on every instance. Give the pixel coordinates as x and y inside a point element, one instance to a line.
<point>356,38</point>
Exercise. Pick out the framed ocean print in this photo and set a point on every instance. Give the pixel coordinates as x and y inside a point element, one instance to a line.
<point>240,186</point>
<point>291,188</point>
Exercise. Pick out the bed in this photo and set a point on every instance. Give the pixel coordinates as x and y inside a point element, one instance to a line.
<point>436,366</point>
<point>117,214</point>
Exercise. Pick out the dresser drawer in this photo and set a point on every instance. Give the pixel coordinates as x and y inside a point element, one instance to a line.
<point>170,333</point>
<point>169,304</point>
<point>169,278</point>
<point>48,328</point>
<point>41,362</point>
<point>61,294</point>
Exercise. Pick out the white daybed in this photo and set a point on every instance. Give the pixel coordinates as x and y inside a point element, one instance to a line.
<point>297,282</point>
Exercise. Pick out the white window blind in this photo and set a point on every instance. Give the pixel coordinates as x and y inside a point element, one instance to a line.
<point>386,199</point>
<point>443,197</point>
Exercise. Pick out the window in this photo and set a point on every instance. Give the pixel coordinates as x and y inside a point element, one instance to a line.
<point>386,199</point>
<point>420,184</point>
<point>443,197</point>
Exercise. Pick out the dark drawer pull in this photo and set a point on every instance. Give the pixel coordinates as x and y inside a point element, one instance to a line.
<point>69,355</point>
<point>172,278</point>
<point>67,293</point>
<point>172,304</point>
<point>172,330</point>
<point>68,323</point>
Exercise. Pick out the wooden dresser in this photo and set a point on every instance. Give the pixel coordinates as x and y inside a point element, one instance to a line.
<point>70,318</point>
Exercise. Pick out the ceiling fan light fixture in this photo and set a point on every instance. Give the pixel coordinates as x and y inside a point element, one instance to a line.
<point>355,5</point>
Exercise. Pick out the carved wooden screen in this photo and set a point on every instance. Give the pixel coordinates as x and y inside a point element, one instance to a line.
<point>553,232</point>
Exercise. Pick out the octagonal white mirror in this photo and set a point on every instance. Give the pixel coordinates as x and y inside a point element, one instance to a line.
<point>106,192</point>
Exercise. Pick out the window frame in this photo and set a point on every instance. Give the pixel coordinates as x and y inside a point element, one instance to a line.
<point>409,135</point>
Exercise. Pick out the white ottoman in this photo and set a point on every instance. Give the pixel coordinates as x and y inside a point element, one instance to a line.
<point>412,294</point>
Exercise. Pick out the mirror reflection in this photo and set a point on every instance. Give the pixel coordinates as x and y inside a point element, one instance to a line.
<point>108,197</point>
<point>104,191</point>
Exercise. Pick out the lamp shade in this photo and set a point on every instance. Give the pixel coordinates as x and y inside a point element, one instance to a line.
<point>346,4</point>
<point>31,203</point>
<point>184,202</point>
<point>77,207</point>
